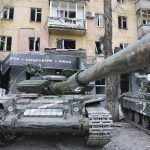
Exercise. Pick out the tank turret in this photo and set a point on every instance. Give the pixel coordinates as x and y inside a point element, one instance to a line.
<point>131,58</point>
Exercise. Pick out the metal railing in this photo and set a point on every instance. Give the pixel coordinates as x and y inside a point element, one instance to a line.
<point>143,30</point>
<point>142,4</point>
<point>67,22</point>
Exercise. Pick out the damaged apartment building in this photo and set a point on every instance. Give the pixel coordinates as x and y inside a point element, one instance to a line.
<point>63,28</point>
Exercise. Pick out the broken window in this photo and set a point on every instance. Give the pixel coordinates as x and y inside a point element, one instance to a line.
<point>124,83</point>
<point>60,44</point>
<point>122,22</point>
<point>100,86</point>
<point>123,45</point>
<point>72,14</point>
<point>61,13</point>
<point>116,49</point>
<point>36,14</point>
<point>146,21</point>
<point>66,44</point>
<point>99,20</point>
<point>121,1</point>
<point>145,16</point>
<point>65,14</point>
<point>5,43</point>
<point>8,13</point>
<point>98,47</point>
<point>34,44</point>
<point>66,10</point>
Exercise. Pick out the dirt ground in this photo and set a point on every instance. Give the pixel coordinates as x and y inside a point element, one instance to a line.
<point>125,137</point>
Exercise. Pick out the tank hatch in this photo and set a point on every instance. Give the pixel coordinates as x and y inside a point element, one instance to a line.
<point>54,78</point>
<point>33,86</point>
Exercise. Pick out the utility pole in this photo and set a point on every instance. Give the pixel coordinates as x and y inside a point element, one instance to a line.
<point>113,81</point>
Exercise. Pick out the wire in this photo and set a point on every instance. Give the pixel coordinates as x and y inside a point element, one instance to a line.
<point>16,80</point>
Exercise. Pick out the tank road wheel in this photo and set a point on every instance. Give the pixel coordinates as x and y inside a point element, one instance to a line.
<point>130,115</point>
<point>3,138</point>
<point>145,122</point>
<point>126,114</point>
<point>6,137</point>
<point>136,118</point>
<point>100,129</point>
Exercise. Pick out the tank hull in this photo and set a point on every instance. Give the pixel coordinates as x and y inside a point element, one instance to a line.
<point>31,113</point>
<point>137,110</point>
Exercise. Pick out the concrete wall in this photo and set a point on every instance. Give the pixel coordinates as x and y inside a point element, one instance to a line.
<point>93,33</point>
<point>126,9</point>
<point>21,28</point>
<point>79,40</point>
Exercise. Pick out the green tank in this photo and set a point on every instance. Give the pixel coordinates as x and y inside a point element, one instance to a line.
<point>54,104</point>
<point>136,102</point>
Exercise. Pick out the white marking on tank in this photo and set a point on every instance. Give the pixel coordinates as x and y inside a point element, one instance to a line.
<point>141,103</point>
<point>144,106</point>
<point>52,104</point>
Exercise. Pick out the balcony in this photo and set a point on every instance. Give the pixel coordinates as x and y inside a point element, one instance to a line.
<point>74,52</point>
<point>143,30</point>
<point>71,25</point>
<point>67,17</point>
<point>143,4</point>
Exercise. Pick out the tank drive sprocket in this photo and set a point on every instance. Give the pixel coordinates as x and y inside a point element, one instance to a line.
<point>100,130</point>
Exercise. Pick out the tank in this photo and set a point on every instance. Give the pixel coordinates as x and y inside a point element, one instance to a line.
<point>136,102</point>
<point>54,104</point>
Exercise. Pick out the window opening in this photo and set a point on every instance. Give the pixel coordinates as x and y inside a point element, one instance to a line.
<point>123,45</point>
<point>66,44</point>
<point>34,44</point>
<point>5,43</point>
<point>36,14</point>
<point>98,47</point>
<point>124,83</point>
<point>121,1</point>
<point>66,10</point>
<point>8,13</point>
<point>100,86</point>
<point>99,20</point>
<point>122,22</point>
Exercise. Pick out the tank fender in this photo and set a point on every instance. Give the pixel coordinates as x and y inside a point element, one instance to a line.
<point>94,101</point>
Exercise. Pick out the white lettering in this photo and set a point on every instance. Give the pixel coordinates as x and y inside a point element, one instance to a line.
<point>65,61</point>
<point>38,60</point>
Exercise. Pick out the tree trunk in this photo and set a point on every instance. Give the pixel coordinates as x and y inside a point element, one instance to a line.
<point>112,82</point>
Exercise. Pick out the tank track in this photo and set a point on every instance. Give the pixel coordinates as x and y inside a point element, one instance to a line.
<point>131,119</point>
<point>5,137</point>
<point>100,130</point>
<point>139,126</point>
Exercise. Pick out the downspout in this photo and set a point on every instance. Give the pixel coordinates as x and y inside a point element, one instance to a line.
<point>35,36</point>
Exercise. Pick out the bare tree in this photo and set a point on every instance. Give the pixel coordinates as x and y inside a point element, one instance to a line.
<point>113,81</point>
<point>6,3</point>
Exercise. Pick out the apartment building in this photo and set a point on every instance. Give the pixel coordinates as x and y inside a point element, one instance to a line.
<point>124,23</point>
<point>68,27</point>
<point>143,17</point>
<point>124,31</point>
<point>24,26</point>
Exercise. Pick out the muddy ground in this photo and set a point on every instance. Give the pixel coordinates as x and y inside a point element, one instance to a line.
<point>125,137</point>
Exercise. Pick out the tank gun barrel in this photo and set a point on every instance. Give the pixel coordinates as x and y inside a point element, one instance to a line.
<point>131,58</point>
